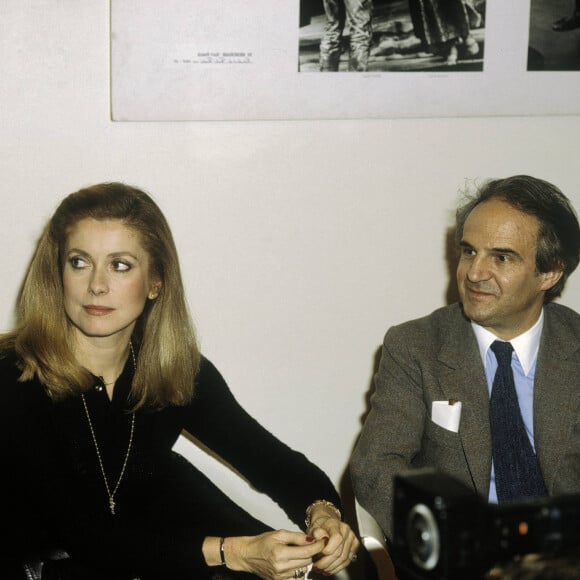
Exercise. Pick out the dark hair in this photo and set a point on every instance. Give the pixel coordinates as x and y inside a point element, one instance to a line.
<point>558,246</point>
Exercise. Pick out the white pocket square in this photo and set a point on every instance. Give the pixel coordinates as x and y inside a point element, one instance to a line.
<point>447,414</point>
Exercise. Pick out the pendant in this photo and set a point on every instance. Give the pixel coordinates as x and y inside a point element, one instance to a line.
<point>112,505</point>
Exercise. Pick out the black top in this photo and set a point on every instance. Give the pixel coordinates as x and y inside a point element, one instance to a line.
<point>53,490</point>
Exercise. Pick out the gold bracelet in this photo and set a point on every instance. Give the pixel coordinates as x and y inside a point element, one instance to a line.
<point>325,503</point>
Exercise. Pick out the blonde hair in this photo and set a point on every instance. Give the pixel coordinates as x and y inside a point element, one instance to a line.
<point>168,354</point>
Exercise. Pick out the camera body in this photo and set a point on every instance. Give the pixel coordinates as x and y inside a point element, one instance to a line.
<point>443,530</point>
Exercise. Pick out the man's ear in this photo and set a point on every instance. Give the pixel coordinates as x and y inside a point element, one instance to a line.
<point>550,279</point>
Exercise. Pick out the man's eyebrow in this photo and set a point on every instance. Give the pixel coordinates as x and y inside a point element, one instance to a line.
<point>504,251</point>
<point>508,251</point>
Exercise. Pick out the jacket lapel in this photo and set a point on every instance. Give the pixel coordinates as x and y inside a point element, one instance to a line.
<point>463,378</point>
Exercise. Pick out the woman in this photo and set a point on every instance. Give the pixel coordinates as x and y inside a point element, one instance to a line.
<point>99,378</point>
<point>442,26</point>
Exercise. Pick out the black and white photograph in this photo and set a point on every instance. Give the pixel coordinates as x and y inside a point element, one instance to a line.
<point>554,35</point>
<point>391,35</point>
<point>409,59</point>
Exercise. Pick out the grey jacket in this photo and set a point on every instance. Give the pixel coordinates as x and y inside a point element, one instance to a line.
<point>436,358</point>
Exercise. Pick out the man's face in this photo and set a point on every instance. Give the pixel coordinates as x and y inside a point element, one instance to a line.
<point>497,279</point>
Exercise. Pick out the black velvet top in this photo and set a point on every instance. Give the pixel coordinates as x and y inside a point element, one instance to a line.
<point>54,494</point>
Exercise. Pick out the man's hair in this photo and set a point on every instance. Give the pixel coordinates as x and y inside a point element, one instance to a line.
<point>558,244</point>
<point>168,353</point>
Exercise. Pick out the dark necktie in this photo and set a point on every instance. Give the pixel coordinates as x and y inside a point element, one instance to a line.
<point>517,470</point>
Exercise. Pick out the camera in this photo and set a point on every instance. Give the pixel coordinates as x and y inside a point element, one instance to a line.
<point>444,530</point>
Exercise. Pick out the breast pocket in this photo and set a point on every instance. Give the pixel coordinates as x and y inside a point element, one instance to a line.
<point>439,446</point>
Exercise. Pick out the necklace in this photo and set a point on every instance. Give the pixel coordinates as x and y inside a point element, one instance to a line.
<point>111,495</point>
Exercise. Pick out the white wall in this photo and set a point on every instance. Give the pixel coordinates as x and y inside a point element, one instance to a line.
<point>301,242</point>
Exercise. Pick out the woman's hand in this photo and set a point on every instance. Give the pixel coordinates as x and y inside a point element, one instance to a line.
<point>273,555</point>
<point>341,543</point>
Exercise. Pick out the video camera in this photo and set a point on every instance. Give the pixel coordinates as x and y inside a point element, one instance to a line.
<point>443,530</point>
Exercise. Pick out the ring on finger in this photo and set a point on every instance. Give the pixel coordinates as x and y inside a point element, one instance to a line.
<point>299,572</point>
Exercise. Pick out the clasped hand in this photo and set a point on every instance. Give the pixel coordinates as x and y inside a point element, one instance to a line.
<point>278,555</point>
<point>340,544</point>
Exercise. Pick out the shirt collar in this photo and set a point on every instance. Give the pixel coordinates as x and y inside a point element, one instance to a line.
<point>525,345</point>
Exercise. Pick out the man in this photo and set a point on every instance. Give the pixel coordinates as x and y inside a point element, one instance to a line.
<point>519,241</point>
<point>359,14</point>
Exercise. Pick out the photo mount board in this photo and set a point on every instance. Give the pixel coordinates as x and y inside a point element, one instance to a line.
<point>237,60</point>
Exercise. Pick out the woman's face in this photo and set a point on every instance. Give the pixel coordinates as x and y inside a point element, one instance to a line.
<point>107,278</point>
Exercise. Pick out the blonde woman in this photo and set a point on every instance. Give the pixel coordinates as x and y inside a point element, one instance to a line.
<point>99,378</point>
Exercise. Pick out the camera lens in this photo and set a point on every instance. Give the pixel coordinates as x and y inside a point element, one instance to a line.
<point>423,537</point>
